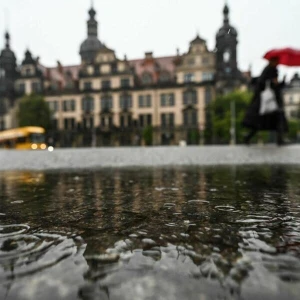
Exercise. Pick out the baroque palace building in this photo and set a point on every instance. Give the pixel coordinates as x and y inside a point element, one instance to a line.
<point>108,101</point>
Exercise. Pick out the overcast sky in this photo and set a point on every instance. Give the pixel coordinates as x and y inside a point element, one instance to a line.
<point>54,29</point>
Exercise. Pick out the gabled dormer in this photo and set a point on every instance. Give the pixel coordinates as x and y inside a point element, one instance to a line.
<point>30,79</point>
<point>197,65</point>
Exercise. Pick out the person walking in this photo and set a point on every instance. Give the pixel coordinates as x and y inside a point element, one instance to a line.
<point>254,119</point>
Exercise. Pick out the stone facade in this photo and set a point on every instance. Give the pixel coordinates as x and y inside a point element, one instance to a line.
<point>291,97</point>
<point>109,101</point>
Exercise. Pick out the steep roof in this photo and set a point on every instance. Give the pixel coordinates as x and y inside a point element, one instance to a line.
<point>59,73</point>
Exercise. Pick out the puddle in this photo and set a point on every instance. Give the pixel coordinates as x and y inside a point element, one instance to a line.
<point>180,233</point>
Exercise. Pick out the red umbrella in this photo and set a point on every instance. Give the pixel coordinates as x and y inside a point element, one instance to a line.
<point>287,56</point>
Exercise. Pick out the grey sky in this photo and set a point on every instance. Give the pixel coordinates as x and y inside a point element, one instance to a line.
<point>54,29</point>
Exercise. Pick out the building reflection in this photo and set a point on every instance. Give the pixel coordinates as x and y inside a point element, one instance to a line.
<point>199,219</point>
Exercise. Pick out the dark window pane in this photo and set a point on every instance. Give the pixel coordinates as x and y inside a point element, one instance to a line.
<point>190,98</point>
<point>87,104</point>
<point>88,85</point>
<point>207,95</point>
<point>35,87</point>
<point>125,101</point>
<point>141,101</point>
<point>106,103</point>
<point>106,84</point>
<point>149,120</point>
<point>141,120</point>
<point>125,82</point>
<point>148,101</point>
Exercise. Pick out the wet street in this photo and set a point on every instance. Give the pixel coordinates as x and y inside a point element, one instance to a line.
<point>230,232</point>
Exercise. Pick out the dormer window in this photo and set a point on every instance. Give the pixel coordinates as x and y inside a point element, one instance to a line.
<point>164,77</point>
<point>146,78</point>
<point>27,72</point>
<point>191,61</point>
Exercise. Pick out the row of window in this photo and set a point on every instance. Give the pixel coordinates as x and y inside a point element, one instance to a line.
<point>147,79</point>
<point>190,118</point>
<point>206,76</point>
<point>106,84</point>
<point>36,87</point>
<point>192,61</point>
<point>125,101</point>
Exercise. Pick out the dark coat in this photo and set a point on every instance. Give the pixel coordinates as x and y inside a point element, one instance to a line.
<point>272,121</point>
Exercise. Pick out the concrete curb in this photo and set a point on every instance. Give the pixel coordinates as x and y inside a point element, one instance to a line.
<point>85,158</point>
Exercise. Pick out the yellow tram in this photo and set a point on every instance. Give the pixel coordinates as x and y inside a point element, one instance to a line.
<point>23,138</point>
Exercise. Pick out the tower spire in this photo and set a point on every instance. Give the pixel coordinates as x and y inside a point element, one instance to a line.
<point>92,23</point>
<point>7,38</point>
<point>226,13</point>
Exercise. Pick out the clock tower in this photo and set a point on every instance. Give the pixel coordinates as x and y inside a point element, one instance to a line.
<point>228,75</point>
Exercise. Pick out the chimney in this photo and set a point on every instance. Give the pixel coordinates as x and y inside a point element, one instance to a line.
<point>148,55</point>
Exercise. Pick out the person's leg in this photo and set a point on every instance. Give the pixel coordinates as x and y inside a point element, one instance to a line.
<point>280,131</point>
<point>249,136</point>
<point>280,140</point>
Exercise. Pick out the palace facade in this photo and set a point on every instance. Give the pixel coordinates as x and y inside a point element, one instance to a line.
<point>111,101</point>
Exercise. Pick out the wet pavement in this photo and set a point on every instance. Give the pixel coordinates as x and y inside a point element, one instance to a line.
<point>151,233</point>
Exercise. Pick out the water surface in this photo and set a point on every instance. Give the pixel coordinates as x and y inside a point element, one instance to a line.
<point>171,233</point>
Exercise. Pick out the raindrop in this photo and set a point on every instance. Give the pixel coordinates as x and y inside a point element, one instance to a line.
<point>149,241</point>
<point>169,205</point>
<point>197,201</point>
<point>171,224</point>
<point>17,202</point>
<point>155,254</point>
<point>104,257</point>
<point>133,235</point>
<point>159,189</point>
<point>184,235</point>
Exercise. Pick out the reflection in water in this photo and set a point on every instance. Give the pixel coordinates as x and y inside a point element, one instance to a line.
<point>227,233</point>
